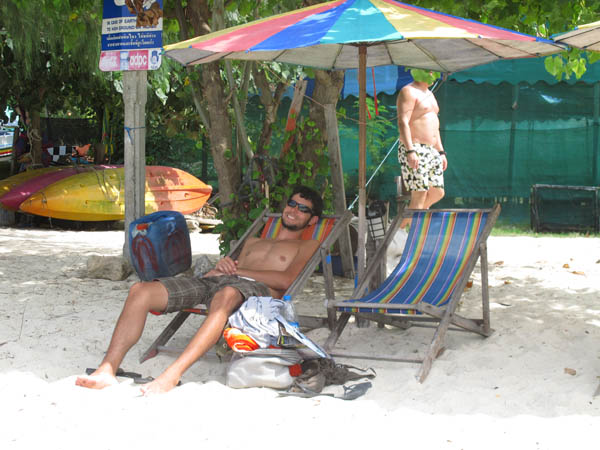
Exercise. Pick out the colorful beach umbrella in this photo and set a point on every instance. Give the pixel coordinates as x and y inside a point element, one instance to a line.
<point>328,35</point>
<point>586,37</point>
<point>346,34</point>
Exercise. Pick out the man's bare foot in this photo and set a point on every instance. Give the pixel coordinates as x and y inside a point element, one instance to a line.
<point>97,380</point>
<point>161,385</point>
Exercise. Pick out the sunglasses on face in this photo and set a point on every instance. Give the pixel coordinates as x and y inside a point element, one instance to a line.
<point>302,208</point>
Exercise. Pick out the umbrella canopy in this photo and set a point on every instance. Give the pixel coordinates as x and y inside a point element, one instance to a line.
<point>586,37</point>
<point>327,36</point>
<point>347,34</point>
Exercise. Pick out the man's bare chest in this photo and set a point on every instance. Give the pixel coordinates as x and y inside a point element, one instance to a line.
<point>270,253</point>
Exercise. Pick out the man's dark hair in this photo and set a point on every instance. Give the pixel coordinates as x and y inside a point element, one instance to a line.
<point>309,194</point>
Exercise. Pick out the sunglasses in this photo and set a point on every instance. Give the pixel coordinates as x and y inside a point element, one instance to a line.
<point>302,208</point>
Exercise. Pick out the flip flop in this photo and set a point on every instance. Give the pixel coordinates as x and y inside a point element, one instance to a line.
<point>137,378</point>
<point>350,392</point>
<point>120,373</point>
<point>144,380</point>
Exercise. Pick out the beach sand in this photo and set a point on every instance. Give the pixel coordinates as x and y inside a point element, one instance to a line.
<point>530,385</point>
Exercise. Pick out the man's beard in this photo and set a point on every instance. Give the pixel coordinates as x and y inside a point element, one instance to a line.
<point>294,227</point>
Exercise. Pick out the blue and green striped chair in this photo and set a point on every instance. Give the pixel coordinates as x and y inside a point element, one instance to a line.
<point>441,251</point>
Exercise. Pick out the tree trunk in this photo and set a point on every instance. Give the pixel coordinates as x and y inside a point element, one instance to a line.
<point>328,85</point>
<point>271,101</point>
<point>218,123</point>
<point>226,162</point>
<point>35,136</point>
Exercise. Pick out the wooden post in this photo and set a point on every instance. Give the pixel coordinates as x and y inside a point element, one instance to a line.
<point>339,194</point>
<point>595,138</point>
<point>13,157</point>
<point>513,131</point>
<point>134,98</point>
<point>362,157</point>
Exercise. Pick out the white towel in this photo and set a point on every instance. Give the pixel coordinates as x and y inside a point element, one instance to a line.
<point>258,318</point>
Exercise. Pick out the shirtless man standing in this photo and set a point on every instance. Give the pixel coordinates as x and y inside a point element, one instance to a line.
<point>420,153</point>
<point>266,267</point>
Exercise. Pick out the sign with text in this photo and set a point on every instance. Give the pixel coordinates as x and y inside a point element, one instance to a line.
<point>131,35</point>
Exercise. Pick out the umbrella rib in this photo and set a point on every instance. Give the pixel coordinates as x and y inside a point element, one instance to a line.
<point>387,49</point>
<point>199,60</point>
<point>473,41</point>
<point>430,55</point>
<point>584,31</point>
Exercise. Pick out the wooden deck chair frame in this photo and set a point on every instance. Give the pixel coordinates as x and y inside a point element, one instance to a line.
<point>322,255</point>
<point>444,316</point>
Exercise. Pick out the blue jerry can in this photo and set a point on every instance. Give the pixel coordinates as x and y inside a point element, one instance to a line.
<point>159,245</point>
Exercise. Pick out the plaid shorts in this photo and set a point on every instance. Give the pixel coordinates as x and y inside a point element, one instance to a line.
<point>187,292</point>
<point>429,173</point>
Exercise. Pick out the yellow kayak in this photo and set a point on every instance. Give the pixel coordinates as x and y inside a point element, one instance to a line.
<point>100,195</point>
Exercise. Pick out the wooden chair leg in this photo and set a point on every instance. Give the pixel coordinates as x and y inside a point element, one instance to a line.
<point>485,292</point>
<point>337,331</point>
<point>164,337</point>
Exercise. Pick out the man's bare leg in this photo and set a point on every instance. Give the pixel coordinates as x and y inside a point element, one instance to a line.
<point>434,195</point>
<point>417,201</point>
<point>221,307</point>
<point>142,298</point>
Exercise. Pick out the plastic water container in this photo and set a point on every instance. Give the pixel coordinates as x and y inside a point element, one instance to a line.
<point>249,372</point>
<point>289,312</point>
<point>159,245</point>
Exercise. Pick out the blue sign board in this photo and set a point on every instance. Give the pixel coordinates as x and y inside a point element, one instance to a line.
<point>131,35</point>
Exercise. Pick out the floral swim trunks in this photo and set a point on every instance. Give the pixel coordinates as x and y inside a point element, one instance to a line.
<point>429,173</point>
<point>187,292</point>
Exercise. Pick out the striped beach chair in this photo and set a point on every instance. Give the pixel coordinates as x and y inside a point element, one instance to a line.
<point>327,230</point>
<point>441,251</point>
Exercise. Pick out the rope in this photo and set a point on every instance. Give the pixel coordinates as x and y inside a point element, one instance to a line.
<point>129,130</point>
<point>376,170</point>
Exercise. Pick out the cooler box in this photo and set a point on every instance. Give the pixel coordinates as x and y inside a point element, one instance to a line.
<point>159,245</point>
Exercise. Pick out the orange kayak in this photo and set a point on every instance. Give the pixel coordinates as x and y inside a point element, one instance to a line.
<point>100,195</point>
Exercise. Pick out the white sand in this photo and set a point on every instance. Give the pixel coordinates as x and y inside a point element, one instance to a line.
<point>509,391</point>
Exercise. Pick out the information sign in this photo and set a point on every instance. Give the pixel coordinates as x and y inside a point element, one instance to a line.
<point>131,35</point>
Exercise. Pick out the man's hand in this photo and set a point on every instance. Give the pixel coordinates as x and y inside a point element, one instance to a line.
<point>444,162</point>
<point>227,266</point>
<point>413,160</point>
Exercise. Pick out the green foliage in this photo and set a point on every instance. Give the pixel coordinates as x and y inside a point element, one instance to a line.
<point>428,77</point>
<point>573,61</point>
<point>381,135</point>
<point>281,174</point>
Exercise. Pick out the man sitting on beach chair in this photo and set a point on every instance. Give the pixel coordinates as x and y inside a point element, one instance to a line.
<point>266,267</point>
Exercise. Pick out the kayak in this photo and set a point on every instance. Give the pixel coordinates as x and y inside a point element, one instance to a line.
<point>8,184</point>
<point>19,193</point>
<point>100,195</point>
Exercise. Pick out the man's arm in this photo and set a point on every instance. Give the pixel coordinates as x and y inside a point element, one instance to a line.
<point>280,280</point>
<point>440,148</point>
<point>405,105</point>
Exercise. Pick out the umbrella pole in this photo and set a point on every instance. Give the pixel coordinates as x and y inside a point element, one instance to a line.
<point>362,157</point>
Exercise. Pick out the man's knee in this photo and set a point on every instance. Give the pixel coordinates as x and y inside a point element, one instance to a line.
<point>226,299</point>
<point>150,295</point>
<point>417,199</point>
<point>436,193</point>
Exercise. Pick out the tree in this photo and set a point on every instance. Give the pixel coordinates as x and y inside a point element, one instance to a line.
<point>45,63</point>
